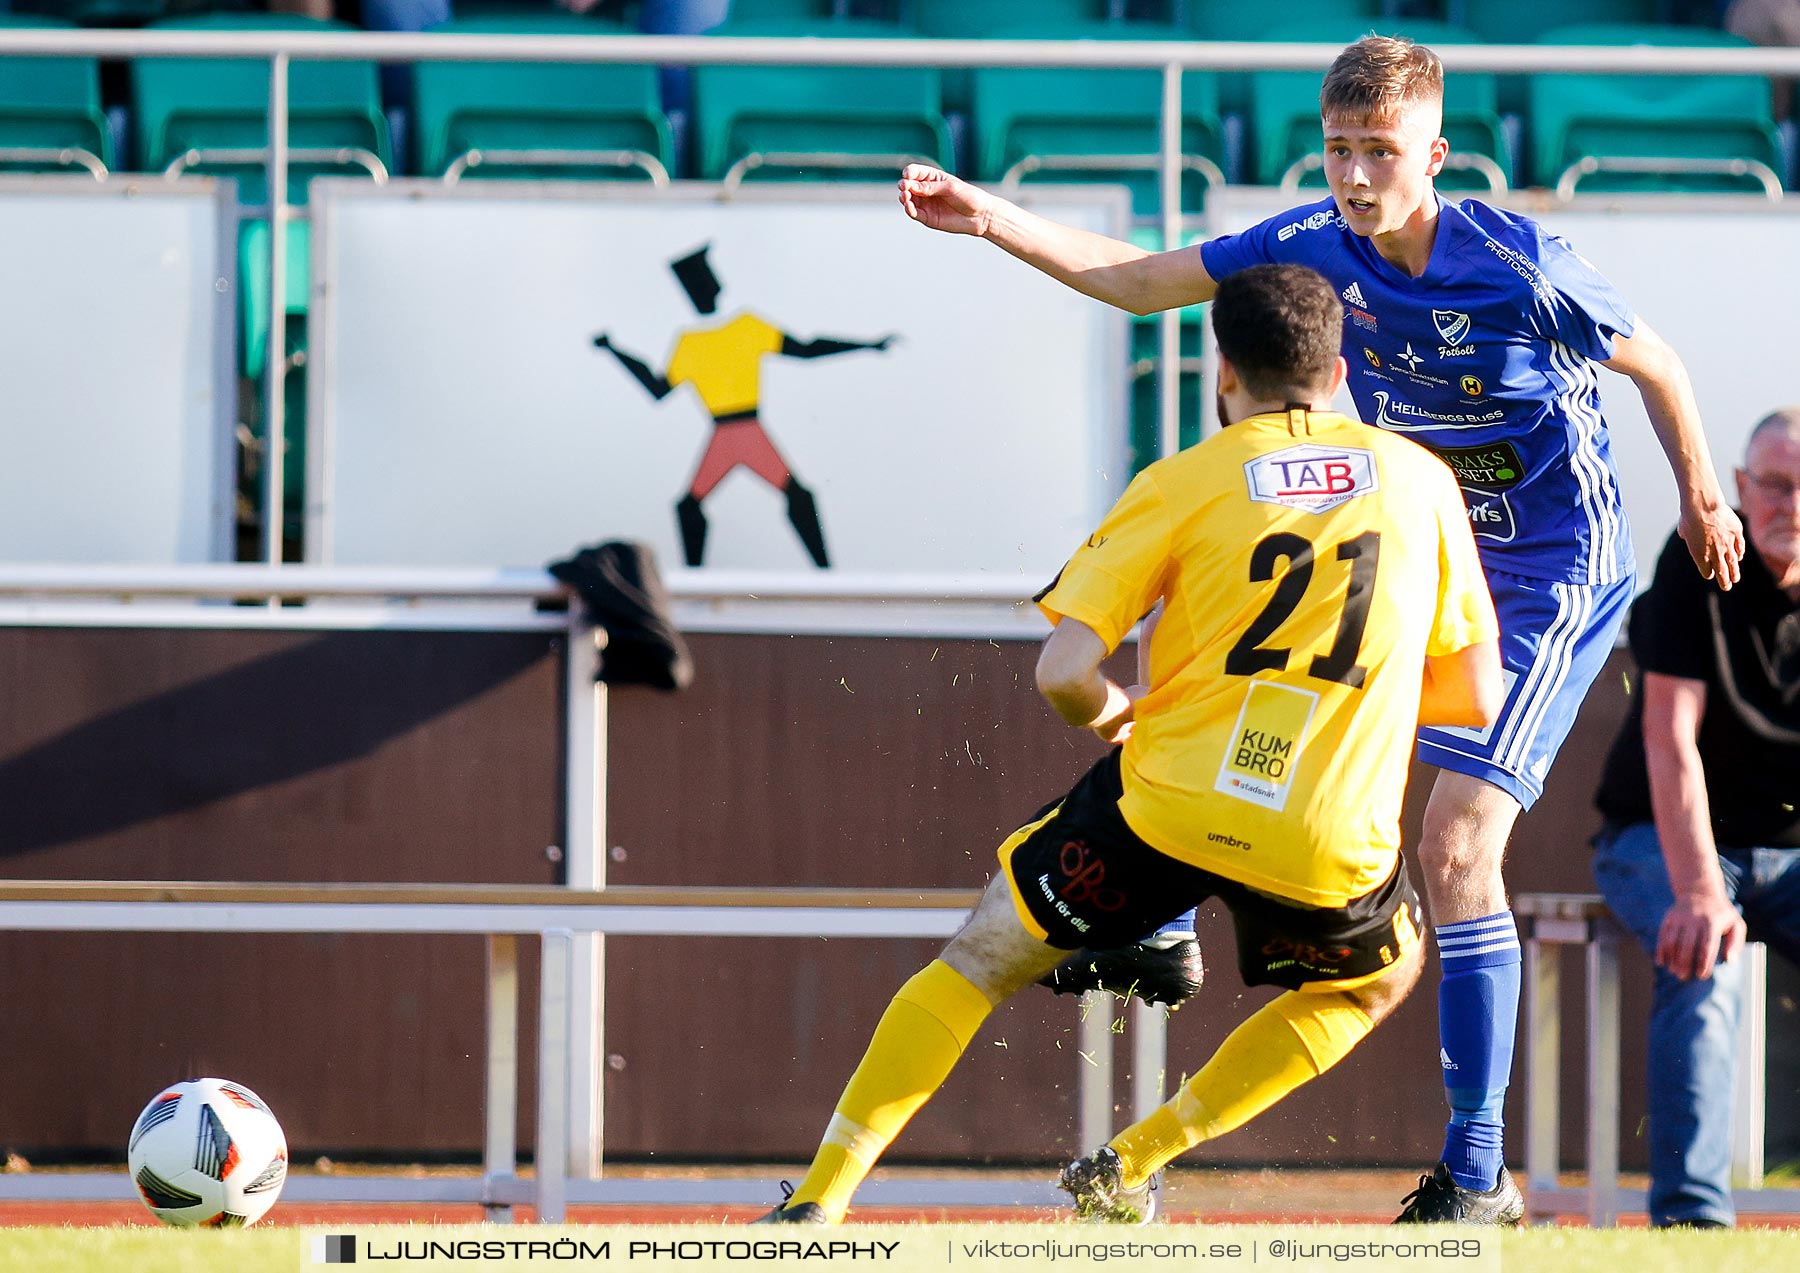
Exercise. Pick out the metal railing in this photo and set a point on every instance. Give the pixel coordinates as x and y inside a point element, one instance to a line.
<point>1171,58</point>
<point>1582,920</point>
<point>570,921</point>
<point>1747,170</point>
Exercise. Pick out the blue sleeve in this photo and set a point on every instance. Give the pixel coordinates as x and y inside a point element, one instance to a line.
<point>1232,252</point>
<point>1581,308</point>
<point>1291,236</point>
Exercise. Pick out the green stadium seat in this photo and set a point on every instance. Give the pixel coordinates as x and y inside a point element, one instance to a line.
<point>99,13</point>
<point>1234,20</point>
<point>984,19</point>
<point>780,10</point>
<point>1076,124</point>
<point>1284,111</point>
<point>1237,21</point>
<point>812,122</point>
<point>51,118</point>
<point>1524,21</point>
<point>1146,400</point>
<point>253,342</point>
<point>253,286</point>
<point>535,120</point>
<point>211,115</point>
<point>1703,133</point>
<point>977,19</point>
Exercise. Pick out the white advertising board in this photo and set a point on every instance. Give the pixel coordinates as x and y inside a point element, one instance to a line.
<point>1718,279</point>
<point>462,414</point>
<point>115,354</point>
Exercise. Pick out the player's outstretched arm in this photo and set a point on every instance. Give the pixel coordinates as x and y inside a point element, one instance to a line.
<point>1069,677</point>
<point>1464,688</point>
<point>1707,524</point>
<point>1702,927</point>
<point>1109,270</point>
<point>656,386</point>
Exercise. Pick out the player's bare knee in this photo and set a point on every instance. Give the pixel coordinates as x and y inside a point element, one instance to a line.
<point>1467,823</point>
<point>1450,857</point>
<point>994,951</point>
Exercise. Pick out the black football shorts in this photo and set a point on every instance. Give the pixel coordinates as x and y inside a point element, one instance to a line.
<point>1082,878</point>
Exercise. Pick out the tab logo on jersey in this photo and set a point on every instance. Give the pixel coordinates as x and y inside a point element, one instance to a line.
<point>1490,515</point>
<point>1265,744</point>
<point>1496,466</point>
<point>1452,325</point>
<point>1354,295</point>
<point>1314,479</point>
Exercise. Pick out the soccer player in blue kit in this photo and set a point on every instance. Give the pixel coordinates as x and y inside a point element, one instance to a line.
<point>1473,331</point>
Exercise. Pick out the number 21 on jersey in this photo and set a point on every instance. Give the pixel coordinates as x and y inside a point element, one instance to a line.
<point>1271,726</point>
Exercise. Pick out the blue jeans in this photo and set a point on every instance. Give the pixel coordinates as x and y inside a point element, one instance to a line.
<point>1693,1024</point>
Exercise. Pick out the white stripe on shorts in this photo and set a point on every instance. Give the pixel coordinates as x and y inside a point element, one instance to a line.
<point>1555,654</point>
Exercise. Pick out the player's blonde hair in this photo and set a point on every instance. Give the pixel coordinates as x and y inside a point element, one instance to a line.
<point>1380,77</point>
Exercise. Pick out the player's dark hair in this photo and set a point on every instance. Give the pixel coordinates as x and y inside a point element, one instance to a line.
<point>1380,76</point>
<point>1280,327</point>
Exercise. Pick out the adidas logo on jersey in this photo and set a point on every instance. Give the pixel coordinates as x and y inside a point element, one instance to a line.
<point>1354,295</point>
<point>1444,1059</point>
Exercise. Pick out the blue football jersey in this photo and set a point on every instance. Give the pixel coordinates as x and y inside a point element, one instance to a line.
<point>1488,359</point>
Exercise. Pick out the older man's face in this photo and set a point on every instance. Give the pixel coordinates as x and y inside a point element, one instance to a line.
<point>1769,489</point>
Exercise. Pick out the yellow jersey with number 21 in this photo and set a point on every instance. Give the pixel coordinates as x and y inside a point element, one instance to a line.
<point>1308,564</point>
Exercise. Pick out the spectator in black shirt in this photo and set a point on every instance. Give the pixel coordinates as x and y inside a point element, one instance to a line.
<point>1700,792</point>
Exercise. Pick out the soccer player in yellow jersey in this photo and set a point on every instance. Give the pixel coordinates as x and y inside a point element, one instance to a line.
<point>1321,598</point>
<point>723,364</point>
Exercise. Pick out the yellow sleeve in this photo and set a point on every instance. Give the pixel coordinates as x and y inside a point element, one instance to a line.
<point>1465,611</point>
<point>759,334</point>
<point>1114,578</point>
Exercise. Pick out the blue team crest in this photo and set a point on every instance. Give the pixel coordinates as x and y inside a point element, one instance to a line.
<point>1312,478</point>
<point>1452,325</point>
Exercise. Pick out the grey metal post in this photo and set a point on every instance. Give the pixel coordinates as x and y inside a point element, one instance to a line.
<point>1603,1076</point>
<point>1168,383</point>
<point>1747,1111</point>
<point>553,1076</point>
<point>1543,1063</point>
<point>1149,1056</point>
<point>585,860</point>
<point>500,1145</point>
<point>1096,1069</point>
<point>275,370</point>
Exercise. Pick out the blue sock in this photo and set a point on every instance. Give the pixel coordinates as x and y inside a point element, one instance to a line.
<point>1181,928</point>
<point>1478,1012</point>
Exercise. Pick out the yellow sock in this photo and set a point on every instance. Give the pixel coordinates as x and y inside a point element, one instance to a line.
<point>917,1043</point>
<point>1295,1038</point>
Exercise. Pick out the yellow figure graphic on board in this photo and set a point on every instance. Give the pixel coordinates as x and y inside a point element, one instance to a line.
<point>723,364</point>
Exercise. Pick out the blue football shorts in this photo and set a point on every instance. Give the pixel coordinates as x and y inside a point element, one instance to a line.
<point>1554,639</point>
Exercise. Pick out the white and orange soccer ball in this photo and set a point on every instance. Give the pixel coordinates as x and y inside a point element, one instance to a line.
<point>208,1152</point>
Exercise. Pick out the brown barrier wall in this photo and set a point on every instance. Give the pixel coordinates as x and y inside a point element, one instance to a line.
<point>815,761</point>
<point>283,756</point>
